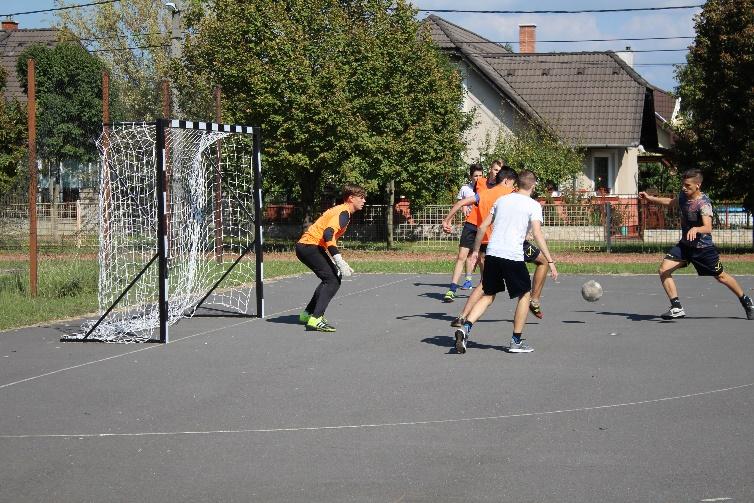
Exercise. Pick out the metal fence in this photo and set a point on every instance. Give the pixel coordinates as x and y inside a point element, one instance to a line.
<point>596,224</point>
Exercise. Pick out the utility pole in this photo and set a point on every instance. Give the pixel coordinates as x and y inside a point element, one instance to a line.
<point>176,44</point>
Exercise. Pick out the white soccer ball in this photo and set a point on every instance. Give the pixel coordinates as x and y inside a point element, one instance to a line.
<point>591,291</point>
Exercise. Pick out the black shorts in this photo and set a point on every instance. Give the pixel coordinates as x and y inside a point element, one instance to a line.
<point>502,274</point>
<point>468,235</point>
<point>531,252</point>
<point>706,261</point>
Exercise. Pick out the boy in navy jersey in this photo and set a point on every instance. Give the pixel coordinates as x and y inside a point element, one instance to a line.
<point>696,246</point>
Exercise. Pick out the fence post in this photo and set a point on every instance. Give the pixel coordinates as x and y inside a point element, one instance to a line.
<point>608,225</point>
<point>389,212</point>
<point>31,114</point>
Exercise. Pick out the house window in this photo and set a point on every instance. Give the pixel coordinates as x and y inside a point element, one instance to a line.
<point>601,174</point>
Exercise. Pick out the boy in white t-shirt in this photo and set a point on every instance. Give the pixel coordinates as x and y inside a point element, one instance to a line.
<point>513,216</point>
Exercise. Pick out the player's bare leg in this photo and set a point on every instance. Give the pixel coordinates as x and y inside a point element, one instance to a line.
<point>729,281</point>
<point>539,278</point>
<point>463,254</point>
<point>667,267</point>
<point>475,295</point>
<point>522,309</point>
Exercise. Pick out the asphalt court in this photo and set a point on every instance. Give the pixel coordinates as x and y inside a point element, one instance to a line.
<point>615,404</point>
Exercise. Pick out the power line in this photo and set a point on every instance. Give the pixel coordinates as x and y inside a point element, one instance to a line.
<point>131,48</point>
<point>584,11</point>
<point>59,8</point>
<point>584,40</point>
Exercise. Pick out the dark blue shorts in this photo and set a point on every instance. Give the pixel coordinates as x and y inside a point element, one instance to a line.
<point>468,235</point>
<point>706,261</point>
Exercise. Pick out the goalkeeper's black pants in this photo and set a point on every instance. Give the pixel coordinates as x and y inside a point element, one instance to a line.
<point>316,258</point>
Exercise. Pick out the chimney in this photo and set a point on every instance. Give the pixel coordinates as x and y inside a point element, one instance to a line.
<point>627,56</point>
<point>9,25</point>
<point>527,38</point>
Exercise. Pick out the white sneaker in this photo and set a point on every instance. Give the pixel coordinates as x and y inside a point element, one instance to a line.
<point>520,347</point>
<point>672,313</point>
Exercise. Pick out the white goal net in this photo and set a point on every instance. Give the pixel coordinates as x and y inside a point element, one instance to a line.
<point>210,237</point>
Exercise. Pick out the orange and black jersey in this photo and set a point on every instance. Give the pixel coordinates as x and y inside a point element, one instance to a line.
<point>328,228</point>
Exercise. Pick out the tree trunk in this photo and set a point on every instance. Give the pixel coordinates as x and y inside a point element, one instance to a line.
<point>389,212</point>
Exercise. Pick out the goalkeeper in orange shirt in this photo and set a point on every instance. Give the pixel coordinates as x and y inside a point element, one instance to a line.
<point>317,249</point>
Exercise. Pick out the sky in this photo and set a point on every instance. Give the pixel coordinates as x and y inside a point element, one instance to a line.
<point>653,66</point>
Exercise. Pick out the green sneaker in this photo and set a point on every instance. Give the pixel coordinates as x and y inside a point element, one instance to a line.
<point>319,324</point>
<point>304,317</point>
<point>449,296</point>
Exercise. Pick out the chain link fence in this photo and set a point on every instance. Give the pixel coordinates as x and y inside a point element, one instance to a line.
<point>597,224</point>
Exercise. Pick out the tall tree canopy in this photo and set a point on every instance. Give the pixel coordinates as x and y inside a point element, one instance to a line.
<point>344,90</point>
<point>133,39</point>
<point>717,100</point>
<point>69,100</point>
<point>12,137</point>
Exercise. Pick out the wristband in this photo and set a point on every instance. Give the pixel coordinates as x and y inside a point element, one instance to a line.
<point>550,261</point>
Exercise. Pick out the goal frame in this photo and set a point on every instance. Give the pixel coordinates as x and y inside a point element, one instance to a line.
<point>161,257</point>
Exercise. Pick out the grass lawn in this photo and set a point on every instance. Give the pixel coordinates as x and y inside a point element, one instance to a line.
<point>67,286</point>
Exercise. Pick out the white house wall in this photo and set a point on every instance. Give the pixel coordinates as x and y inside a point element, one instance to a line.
<point>491,114</point>
<point>623,169</point>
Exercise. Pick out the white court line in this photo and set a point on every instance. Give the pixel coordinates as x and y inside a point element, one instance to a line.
<point>147,348</point>
<point>376,425</point>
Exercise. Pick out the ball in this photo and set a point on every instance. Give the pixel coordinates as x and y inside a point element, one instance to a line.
<point>591,291</point>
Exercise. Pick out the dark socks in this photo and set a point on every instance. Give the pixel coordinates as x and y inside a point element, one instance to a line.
<point>453,287</point>
<point>745,300</point>
<point>517,337</point>
<point>467,325</point>
<point>674,302</point>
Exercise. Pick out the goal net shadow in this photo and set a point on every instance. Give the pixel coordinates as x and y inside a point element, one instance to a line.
<point>180,207</point>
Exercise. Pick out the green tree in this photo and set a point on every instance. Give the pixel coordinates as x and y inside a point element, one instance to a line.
<point>133,39</point>
<point>717,100</point>
<point>69,100</point>
<point>551,159</point>
<point>344,90</point>
<point>12,137</point>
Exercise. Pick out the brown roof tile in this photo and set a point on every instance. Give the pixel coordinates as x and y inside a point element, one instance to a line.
<point>591,98</point>
<point>12,44</point>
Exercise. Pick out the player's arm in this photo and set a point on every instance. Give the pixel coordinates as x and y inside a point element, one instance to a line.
<point>705,228</point>
<point>447,226</point>
<point>330,241</point>
<point>539,238</point>
<point>662,201</point>
<point>480,235</point>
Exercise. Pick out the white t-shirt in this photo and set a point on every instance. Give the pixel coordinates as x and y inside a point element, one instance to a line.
<point>513,215</point>
<point>466,191</point>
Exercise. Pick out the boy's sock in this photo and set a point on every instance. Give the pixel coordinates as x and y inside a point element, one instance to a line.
<point>674,302</point>
<point>517,337</point>
<point>467,326</point>
<point>745,300</point>
<point>453,287</point>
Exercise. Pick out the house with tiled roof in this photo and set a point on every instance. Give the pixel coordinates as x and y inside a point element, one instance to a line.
<point>13,41</point>
<point>591,99</point>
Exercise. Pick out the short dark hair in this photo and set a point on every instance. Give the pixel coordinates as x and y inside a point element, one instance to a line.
<point>351,189</point>
<point>693,173</point>
<point>475,167</point>
<point>506,173</point>
<point>526,179</point>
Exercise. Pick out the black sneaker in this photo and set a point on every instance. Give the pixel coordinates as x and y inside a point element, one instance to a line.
<point>461,337</point>
<point>458,322</point>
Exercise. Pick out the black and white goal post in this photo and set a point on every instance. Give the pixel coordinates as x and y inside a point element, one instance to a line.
<point>180,227</point>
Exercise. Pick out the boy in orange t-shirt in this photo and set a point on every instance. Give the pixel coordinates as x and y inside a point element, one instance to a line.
<point>318,251</point>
